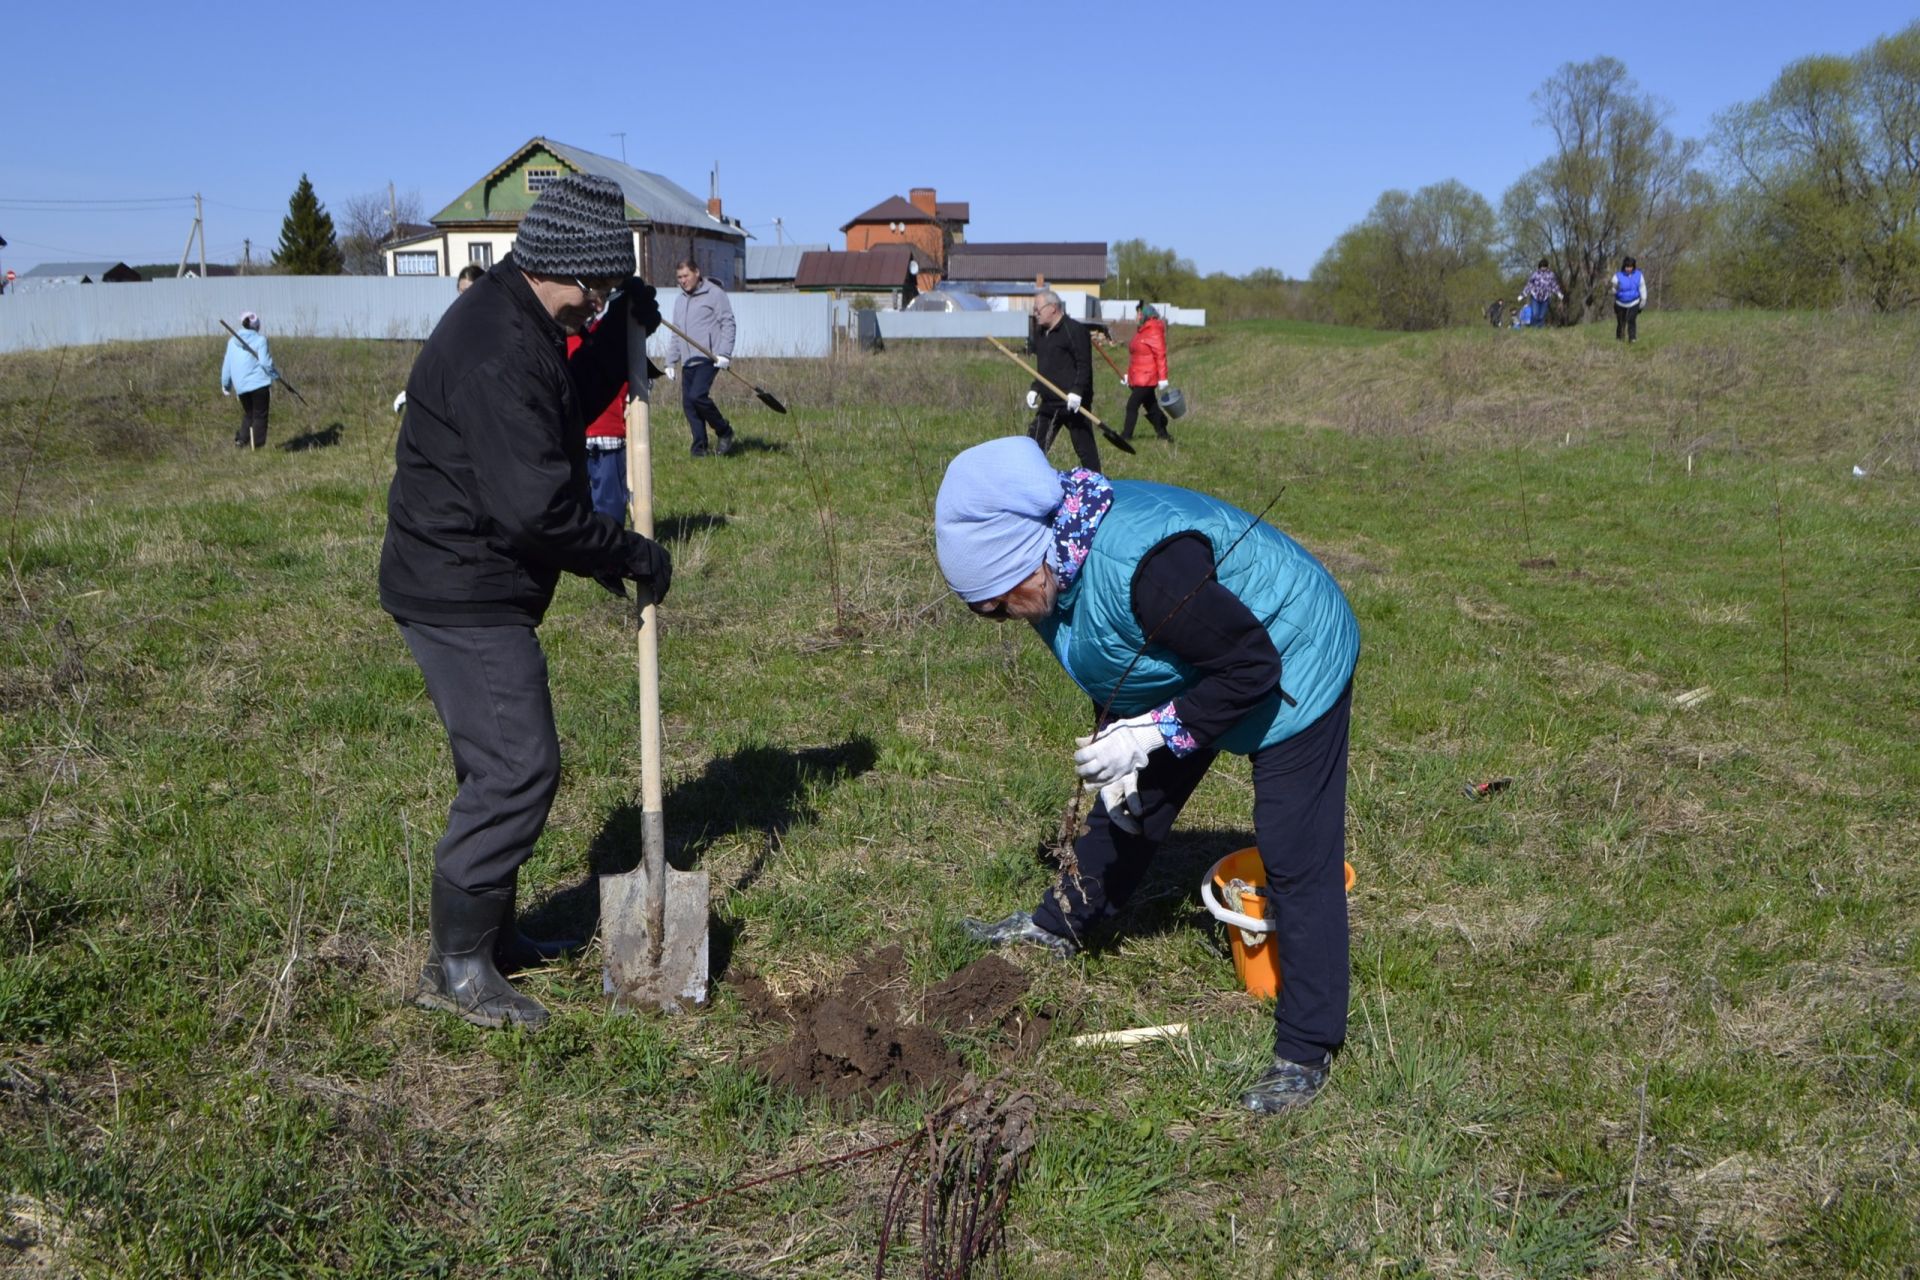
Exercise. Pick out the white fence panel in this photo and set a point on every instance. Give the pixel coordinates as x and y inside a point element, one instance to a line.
<point>952,324</point>
<point>385,307</point>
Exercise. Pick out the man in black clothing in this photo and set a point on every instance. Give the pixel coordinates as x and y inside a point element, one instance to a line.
<point>490,503</point>
<point>1064,353</point>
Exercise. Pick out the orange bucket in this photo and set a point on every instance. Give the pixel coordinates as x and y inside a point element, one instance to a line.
<point>1255,963</point>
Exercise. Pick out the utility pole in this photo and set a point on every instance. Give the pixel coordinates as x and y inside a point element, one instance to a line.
<point>779,232</point>
<point>393,213</point>
<point>198,229</point>
<point>622,135</point>
<point>246,256</point>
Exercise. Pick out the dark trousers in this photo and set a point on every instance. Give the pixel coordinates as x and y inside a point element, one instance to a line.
<point>696,399</point>
<point>607,477</point>
<point>1047,423</point>
<point>1626,323</point>
<point>1299,819</point>
<point>1144,398</point>
<point>489,685</point>
<point>253,417</point>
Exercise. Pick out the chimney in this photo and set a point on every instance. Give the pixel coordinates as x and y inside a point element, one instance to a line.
<point>922,199</point>
<point>713,205</point>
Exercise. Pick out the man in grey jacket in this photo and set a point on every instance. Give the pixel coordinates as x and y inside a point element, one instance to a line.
<point>702,312</point>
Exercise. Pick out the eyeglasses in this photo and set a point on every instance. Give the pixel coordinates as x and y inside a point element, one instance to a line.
<point>600,291</point>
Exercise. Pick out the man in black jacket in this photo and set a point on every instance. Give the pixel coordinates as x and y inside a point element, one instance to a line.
<point>490,503</point>
<point>1064,353</point>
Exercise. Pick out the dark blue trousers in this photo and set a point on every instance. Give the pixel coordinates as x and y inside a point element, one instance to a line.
<point>489,685</point>
<point>1299,818</point>
<point>696,400</point>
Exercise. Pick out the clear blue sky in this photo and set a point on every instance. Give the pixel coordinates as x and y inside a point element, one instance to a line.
<point>1242,135</point>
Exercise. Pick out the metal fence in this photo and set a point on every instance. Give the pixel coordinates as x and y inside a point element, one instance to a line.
<point>1112,309</point>
<point>768,324</point>
<point>951,324</point>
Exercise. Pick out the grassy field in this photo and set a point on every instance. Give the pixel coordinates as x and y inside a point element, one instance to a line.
<point>1652,1010</point>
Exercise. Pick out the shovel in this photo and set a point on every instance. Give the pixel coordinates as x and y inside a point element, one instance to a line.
<point>653,920</point>
<point>767,397</point>
<point>1114,438</point>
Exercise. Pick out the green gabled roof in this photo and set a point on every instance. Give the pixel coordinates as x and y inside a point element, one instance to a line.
<point>650,197</point>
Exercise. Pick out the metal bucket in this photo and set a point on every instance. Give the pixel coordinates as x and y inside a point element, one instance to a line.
<point>1172,403</point>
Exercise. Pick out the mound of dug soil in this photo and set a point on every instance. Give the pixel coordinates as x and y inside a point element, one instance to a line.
<point>854,1039</point>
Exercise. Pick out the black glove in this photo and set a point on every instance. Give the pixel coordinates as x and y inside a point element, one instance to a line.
<point>643,306</point>
<point>613,583</point>
<point>649,564</point>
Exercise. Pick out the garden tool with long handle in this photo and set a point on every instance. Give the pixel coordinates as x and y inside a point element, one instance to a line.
<point>1114,438</point>
<point>767,397</point>
<point>653,920</point>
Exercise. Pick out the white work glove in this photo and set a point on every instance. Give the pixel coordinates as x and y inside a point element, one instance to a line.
<point>400,402</point>
<point>1125,383</point>
<point>721,362</point>
<point>1163,384</point>
<point>1073,402</point>
<point>670,372</point>
<point>1033,399</point>
<point>1121,748</point>
<point>226,391</point>
<point>1123,801</point>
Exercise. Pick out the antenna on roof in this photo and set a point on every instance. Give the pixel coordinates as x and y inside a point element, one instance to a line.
<point>622,135</point>
<point>713,182</point>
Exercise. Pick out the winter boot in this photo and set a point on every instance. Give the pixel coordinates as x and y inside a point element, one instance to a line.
<point>514,950</point>
<point>1286,1084</point>
<point>460,975</point>
<point>1019,927</point>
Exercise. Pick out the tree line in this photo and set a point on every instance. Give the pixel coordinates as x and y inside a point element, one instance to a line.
<point>1808,196</point>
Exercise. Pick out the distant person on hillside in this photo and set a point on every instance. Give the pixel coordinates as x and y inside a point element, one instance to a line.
<point>468,274</point>
<point>251,375</point>
<point>1063,352</point>
<point>1541,288</point>
<point>607,449</point>
<point>1146,373</point>
<point>1494,311</point>
<point>1629,296</point>
<point>489,505</point>
<point>702,312</point>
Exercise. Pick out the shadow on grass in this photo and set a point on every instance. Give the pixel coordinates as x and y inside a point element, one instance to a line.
<point>744,444</point>
<point>319,438</point>
<point>761,790</point>
<point>680,528</point>
<point>1168,898</point>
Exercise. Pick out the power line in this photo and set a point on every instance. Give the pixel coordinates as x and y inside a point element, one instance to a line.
<point>128,206</point>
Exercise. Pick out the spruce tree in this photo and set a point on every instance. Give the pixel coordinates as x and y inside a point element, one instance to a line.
<point>307,246</point>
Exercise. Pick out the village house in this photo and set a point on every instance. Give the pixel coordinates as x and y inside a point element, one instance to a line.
<point>1016,270</point>
<point>669,222</point>
<point>921,222</point>
<point>889,275</point>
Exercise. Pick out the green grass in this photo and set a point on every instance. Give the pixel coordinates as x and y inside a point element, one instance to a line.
<point>1654,1010</point>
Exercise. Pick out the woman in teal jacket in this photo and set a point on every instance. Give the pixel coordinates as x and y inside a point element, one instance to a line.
<point>249,373</point>
<point>1195,628</point>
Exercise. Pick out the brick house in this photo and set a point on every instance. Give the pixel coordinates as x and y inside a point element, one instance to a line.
<point>922,222</point>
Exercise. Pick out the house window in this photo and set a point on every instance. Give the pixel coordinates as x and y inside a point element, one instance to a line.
<point>481,252</point>
<point>416,264</point>
<point>538,179</point>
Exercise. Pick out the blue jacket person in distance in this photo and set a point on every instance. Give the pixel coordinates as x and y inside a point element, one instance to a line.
<point>250,374</point>
<point>1197,629</point>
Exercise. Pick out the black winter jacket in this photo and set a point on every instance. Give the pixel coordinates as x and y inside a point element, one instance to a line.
<point>1064,357</point>
<point>490,498</point>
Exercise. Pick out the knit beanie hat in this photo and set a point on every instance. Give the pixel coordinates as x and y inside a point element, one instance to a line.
<point>249,319</point>
<point>1148,312</point>
<point>993,519</point>
<point>578,227</point>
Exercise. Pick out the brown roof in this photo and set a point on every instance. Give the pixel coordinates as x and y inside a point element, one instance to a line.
<point>1072,260</point>
<point>884,267</point>
<point>953,210</point>
<point>892,209</point>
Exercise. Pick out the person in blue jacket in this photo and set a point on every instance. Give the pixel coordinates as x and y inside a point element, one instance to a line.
<point>1629,297</point>
<point>251,375</point>
<point>1195,628</point>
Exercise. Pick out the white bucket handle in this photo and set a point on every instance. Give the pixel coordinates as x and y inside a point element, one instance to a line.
<point>1210,900</point>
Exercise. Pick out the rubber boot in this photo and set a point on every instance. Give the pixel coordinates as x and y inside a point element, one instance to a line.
<point>460,975</point>
<point>514,950</point>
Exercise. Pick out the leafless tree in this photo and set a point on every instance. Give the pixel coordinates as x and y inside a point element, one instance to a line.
<point>367,222</point>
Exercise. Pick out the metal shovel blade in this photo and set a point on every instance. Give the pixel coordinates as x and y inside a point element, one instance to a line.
<point>674,976</point>
<point>770,400</point>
